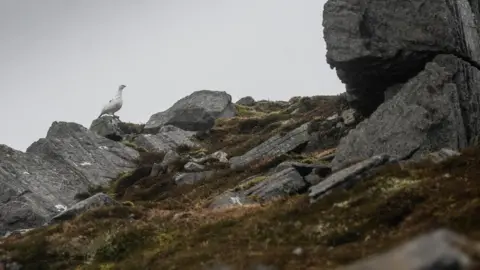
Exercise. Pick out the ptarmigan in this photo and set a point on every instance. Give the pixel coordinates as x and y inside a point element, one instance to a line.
<point>115,104</point>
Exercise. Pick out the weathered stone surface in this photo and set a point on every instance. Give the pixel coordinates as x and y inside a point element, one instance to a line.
<point>69,160</point>
<point>441,155</point>
<point>97,200</point>
<point>284,183</point>
<point>167,138</point>
<point>191,178</point>
<point>304,169</point>
<point>440,250</point>
<point>98,159</point>
<point>195,112</point>
<point>273,147</point>
<point>436,109</point>
<point>193,167</point>
<point>343,177</point>
<point>246,101</point>
<point>348,116</point>
<point>216,156</point>
<point>375,44</point>
<point>107,126</point>
<point>326,134</point>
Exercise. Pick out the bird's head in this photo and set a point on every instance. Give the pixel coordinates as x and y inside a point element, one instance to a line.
<point>121,87</point>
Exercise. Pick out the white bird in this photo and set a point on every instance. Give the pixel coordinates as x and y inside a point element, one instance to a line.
<point>115,104</point>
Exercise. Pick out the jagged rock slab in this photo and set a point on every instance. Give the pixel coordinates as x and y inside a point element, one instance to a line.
<point>168,138</point>
<point>108,127</point>
<point>195,112</point>
<point>275,146</point>
<point>97,158</point>
<point>281,184</point>
<point>436,109</point>
<point>95,201</point>
<point>440,250</point>
<point>70,159</point>
<point>343,177</point>
<point>375,44</point>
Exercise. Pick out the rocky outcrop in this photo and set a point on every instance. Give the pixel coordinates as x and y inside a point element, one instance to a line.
<point>246,101</point>
<point>346,177</point>
<point>377,44</point>
<point>436,109</point>
<point>273,147</point>
<point>280,184</point>
<point>95,201</point>
<point>107,126</point>
<point>36,184</point>
<point>440,250</point>
<point>168,138</point>
<point>195,112</point>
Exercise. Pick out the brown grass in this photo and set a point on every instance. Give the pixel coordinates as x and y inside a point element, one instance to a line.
<point>379,213</point>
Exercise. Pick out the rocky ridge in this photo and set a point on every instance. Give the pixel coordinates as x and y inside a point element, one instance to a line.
<point>318,182</point>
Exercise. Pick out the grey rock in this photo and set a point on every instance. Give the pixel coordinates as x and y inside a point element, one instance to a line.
<point>348,117</point>
<point>220,156</point>
<point>377,44</point>
<point>107,126</point>
<point>275,146</point>
<point>193,167</point>
<point>281,184</point>
<point>53,170</point>
<point>170,158</point>
<point>392,91</point>
<point>440,250</point>
<point>191,178</point>
<point>304,169</point>
<point>436,109</point>
<point>95,201</point>
<point>157,169</point>
<point>345,177</point>
<point>325,134</point>
<point>216,156</point>
<point>167,138</point>
<point>19,232</point>
<point>98,159</point>
<point>230,198</point>
<point>246,101</point>
<point>313,179</point>
<point>441,155</point>
<point>195,112</point>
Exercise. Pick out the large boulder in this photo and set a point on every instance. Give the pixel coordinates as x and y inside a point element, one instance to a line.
<point>375,44</point>
<point>436,109</point>
<point>195,112</point>
<point>35,185</point>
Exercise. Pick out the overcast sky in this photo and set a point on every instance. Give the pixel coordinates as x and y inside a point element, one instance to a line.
<point>63,60</point>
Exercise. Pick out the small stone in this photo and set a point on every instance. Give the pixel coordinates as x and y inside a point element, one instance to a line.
<point>348,117</point>
<point>298,251</point>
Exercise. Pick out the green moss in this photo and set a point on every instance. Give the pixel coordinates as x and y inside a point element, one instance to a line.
<point>250,183</point>
<point>244,111</point>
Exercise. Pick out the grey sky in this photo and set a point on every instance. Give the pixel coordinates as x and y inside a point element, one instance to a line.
<point>63,60</point>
